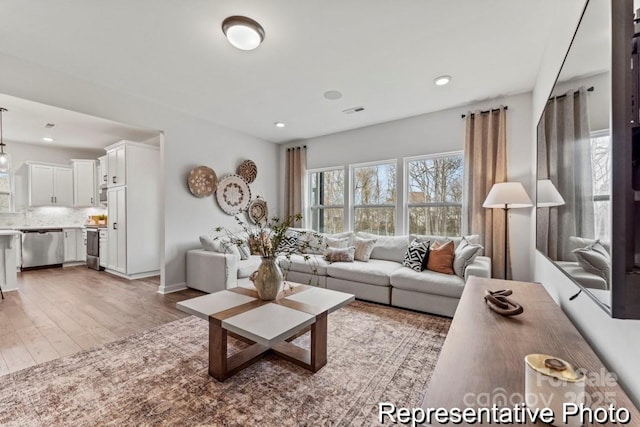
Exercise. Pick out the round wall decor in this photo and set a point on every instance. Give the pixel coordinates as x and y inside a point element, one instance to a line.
<point>248,170</point>
<point>233,194</point>
<point>258,211</point>
<point>202,181</point>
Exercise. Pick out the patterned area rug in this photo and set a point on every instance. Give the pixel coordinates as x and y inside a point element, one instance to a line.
<point>376,354</point>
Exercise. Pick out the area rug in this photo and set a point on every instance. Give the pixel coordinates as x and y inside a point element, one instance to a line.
<point>159,377</point>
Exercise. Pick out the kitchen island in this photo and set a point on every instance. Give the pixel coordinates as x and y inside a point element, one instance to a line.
<point>8,279</point>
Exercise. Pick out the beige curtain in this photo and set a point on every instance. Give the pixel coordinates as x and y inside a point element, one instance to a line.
<point>295,168</point>
<point>564,157</point>
<point>485,163</point>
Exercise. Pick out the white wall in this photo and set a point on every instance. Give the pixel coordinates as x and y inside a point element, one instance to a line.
<point>21,152</point>
<point>188,141</point>
<point>433,133</point>
<point>616,341</point>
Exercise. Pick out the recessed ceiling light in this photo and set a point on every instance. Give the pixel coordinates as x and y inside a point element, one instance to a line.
<point>242,32</point>
<point>332,94</point>
<point>279,124</point>
<point>48,139</point>
<point>442,80</point>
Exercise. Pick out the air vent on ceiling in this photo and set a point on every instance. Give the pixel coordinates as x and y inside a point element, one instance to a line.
<point>353,110</point>
<point>49,125</point>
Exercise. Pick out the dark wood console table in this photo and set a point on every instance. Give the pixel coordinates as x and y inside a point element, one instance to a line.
<point>485,351</point>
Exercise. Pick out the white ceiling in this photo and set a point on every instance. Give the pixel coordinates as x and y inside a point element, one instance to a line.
<point>380,54</point>
<point>25,122</point>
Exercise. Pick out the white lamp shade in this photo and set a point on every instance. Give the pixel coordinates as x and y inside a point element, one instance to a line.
<point>511,195</point>
<point>548,194</point>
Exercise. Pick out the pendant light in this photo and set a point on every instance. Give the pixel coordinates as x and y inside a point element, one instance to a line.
<point>4,157</point>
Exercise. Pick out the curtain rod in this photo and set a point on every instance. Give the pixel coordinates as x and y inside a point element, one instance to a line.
<point>296,148</point>
<point>589,89</point>
<point>493,110</point>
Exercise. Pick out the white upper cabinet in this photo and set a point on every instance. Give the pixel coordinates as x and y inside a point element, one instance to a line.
<point>103,174</point>
<point>45,184</point>
<point>116,166</point>
<point>84,182</point>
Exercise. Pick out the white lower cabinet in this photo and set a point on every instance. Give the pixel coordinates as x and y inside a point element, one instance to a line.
<point>75,245</point>
<point>116,207</point>
<point>104,248</point>
<point>70,245</point>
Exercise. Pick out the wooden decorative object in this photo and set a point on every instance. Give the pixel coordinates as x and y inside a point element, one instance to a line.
<point>233,194</point>
<point>258,211</point>
<point>202,181</point>
<point>248,170</point>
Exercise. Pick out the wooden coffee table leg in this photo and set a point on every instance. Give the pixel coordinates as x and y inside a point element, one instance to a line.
<point>319,342</point>
<point>217,350</point>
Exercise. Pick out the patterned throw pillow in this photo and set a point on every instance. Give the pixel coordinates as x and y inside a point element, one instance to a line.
<point>364,247</point>
<point>339,254</point>
<point>417,255</point>
<point>288,245</point>
<point>441,257</point>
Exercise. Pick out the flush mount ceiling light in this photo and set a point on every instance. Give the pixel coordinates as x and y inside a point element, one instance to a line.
<point>279,124</point>
<point>242,32</point>
<point>332,95</point>
<point>47,139</point>
<point>442,80</point>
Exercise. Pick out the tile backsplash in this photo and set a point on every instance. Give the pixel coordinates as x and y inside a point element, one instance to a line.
<point>52,216</point>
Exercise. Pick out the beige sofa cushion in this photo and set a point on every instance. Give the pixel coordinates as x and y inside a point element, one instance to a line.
<point>389,248</point>
<point>373,272</point>
<point>428,282</point>
<point>297,263</point>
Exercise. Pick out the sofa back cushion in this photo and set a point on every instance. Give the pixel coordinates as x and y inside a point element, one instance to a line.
<point>389,248</point>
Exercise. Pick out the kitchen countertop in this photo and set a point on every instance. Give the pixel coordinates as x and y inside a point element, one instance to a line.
<point>9,232</point>
<point>42,227</point>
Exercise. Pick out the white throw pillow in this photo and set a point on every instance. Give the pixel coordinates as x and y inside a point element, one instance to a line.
<point>208,244</point>
<point>337,243</point>
<point>595,259</point>
<point>464,255</point>
<point>364,247</point>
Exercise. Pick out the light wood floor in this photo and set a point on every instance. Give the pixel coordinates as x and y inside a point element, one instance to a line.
<point>57,312</point>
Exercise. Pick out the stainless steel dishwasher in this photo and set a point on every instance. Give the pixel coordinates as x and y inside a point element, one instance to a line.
<point>42,248</point>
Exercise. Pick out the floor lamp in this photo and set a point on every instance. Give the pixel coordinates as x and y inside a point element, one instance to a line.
<point>505,196</point>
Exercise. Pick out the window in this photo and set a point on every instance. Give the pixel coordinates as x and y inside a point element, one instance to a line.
<point>326,191</point>
<point>374,198</point>
<point>5,192</point>
<point>601,165</point>
<point>434,195</point>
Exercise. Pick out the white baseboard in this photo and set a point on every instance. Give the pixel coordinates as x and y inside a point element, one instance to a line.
<point>133,276</point>
<point>174,287</point>
<point>73,264</point>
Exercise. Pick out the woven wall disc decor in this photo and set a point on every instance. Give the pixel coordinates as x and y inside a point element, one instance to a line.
<point>258,211</point>
<point>248,170</point>
<point>202,181</point>
<point>233,194</point>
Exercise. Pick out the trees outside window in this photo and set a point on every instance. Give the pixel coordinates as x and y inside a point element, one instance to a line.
<point>374,198</point>
<point>434,195</point>
<point>326,191</point>
<point>601,167</point>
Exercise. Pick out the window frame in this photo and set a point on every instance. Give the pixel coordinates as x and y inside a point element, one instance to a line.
<point>352,191</point>
<point>309,207</point>
<point>407,205</point>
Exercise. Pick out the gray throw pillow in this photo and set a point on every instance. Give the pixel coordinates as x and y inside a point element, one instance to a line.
<point>464,255</point>
<point>339,254</point>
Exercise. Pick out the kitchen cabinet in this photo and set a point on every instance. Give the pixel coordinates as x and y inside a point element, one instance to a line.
<point>84,182</point>
<point>75,245</point>
<point>104,248</point>
<point>134,210</point>
<point>70,245</point>
<point>116,215</point>
<point>103,173</point>
<point>116,166</point>
<point>44,184</point>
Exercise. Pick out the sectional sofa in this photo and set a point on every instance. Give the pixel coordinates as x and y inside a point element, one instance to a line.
<point>382,279</point>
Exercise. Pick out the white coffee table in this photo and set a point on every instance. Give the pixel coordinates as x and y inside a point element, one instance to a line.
<point>266,325</point>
